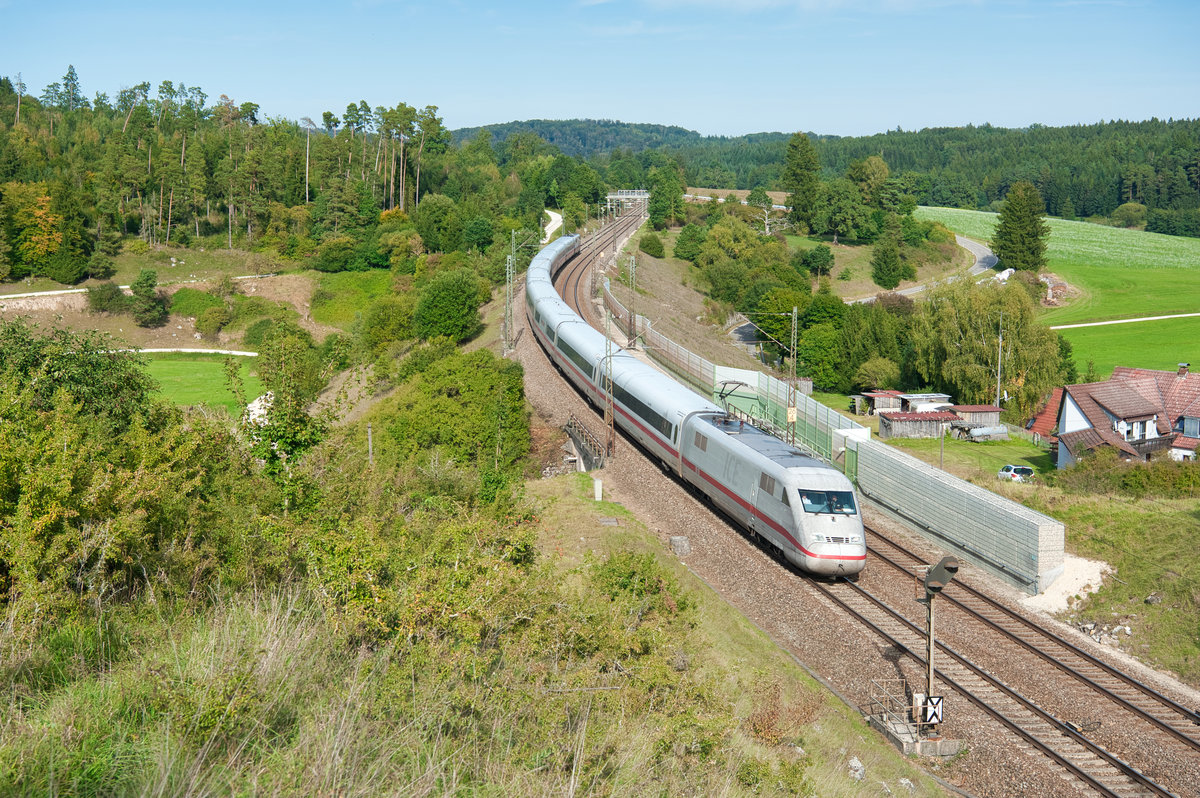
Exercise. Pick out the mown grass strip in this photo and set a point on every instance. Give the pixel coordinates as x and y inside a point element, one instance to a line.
<point>194,379</point>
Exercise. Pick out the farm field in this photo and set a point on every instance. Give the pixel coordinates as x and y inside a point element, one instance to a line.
<point>1160,345</point>
<point>1120,273</point>
<point>188,379</point>
<point>1116,274</point>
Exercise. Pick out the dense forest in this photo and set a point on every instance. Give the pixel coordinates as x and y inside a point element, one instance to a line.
<point>1081,171</point>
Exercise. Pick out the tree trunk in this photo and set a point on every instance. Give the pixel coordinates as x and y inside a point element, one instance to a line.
<point>403,172</point>
<point>170,207</point>
<point>417,187</point>
<point>392,182</point>
<point>231,225</point>
<point>307,138</point>
<point>161,190</point>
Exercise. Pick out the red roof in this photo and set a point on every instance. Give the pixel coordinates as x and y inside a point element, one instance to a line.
<point>937,415</point>
<point>1047,419</point>
<point>882,393</point>
<point>975,408</point>
<point>1187,444</point>
<point>1134,394</point>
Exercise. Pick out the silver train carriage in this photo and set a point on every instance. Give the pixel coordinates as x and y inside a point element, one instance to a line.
<point>803,507</point>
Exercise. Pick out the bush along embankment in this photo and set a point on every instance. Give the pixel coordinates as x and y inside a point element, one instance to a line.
<point>193,604</point>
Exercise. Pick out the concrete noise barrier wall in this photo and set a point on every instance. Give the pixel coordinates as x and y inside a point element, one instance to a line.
<point>1020,546</point>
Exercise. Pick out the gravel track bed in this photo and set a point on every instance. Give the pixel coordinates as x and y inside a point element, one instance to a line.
<point>1165,759</point>
<point>995,762</point>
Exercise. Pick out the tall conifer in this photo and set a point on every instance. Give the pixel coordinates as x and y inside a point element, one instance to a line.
<point>1021,231</point>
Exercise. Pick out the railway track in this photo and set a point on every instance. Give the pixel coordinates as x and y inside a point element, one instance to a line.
<point>1151,706</point>
<point>1097,765</point>
<point>574,280</point>
<point>1078,756</point>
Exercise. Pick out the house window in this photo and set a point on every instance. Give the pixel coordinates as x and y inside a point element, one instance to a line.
<point>1139,430</point>
<point>1191,427</point>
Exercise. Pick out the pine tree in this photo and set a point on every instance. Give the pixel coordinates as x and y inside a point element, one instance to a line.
<point>1021,231</point>
<point>801,179</point>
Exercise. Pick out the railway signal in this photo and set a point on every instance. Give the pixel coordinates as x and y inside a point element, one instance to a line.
<point>936,580</point>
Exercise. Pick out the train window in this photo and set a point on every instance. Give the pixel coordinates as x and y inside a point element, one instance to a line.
<point>643,410</point>
<point>838,502</point>
<point>575,357</point>
<point>701,442</point>
<point>766,483</point>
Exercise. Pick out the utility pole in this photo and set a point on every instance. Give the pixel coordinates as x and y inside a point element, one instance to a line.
<point>633,302</point>
<point>791,410</point>
<point>610,435</point>
<point>508,304</point>
<point>999,351</point>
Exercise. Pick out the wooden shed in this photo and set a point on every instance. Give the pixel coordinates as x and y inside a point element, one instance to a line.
<point>878,401</point>
<point>915,425</point>
<point>923,402</point>
<point>988,415</point>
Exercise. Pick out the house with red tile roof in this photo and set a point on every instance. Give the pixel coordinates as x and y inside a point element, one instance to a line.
<point>1046,421</point>
<point>1137,412</point>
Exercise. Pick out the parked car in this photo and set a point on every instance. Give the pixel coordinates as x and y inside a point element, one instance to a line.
<point>1016,473</point>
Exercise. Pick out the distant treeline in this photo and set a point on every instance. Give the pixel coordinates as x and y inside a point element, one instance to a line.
<point>1081,171</point>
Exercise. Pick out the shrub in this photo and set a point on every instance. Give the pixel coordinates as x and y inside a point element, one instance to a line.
<point>65,267</point>
<point>652,245</point>
<point>101,266</point>
<point>107,298</point>
<point>148,306</point>
<point>193,302</point>
<point>257,332</point>
<point>136,246</point>
<point>449,306</point>
<point>335,255</point>
<point>386,320</point>
<point>211,321</point>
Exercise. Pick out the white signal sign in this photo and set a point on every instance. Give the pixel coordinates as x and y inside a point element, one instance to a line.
<point>933,709</point>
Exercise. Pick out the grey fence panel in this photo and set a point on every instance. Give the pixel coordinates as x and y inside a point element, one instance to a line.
<point>1020,546</point>
<point>1016,544</point>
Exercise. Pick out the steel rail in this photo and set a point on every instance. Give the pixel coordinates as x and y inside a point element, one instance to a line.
<point>1125,769</point>
<point>1054,639</point>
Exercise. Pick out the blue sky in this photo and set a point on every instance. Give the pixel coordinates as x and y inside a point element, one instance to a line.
<point>727,67</point>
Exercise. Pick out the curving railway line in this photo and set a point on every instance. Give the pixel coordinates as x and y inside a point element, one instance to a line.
<point>1105,730</point>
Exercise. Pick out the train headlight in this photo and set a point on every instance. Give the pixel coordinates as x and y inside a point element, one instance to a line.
<point>856,538</point>
<point>818,538</point>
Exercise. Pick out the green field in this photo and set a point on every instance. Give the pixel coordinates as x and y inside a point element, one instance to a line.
<point>1116,274</point>
<point>1121,273</point>
<point>340,297</point>
<point>188,379</point>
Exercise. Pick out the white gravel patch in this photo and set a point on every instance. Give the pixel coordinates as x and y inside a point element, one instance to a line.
<point>1079,578</point>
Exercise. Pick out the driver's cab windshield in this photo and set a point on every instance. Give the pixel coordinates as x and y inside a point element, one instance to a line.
<point>836,502</point>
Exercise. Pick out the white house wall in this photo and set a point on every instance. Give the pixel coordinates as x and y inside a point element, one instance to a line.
<point>1072,418</point>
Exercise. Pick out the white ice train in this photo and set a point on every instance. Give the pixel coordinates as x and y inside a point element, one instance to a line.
<point>802,506</point>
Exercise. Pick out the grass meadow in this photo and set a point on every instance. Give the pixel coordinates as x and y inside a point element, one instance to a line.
<point>341,296</point>
<point>194,379</point>
<point>1116,274</point>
